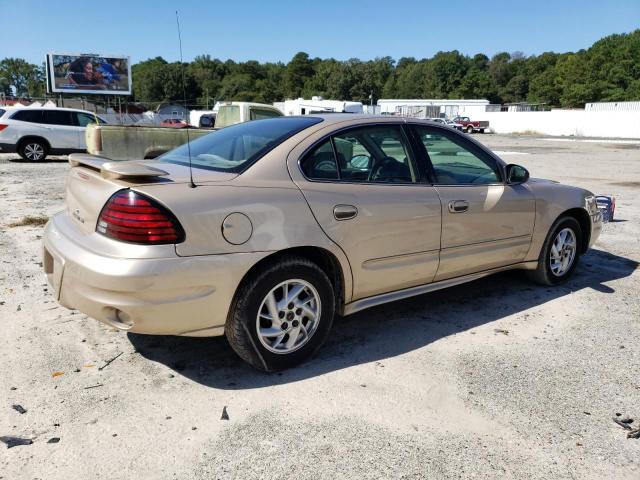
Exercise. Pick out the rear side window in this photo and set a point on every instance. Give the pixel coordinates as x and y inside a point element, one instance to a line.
<point>228,115</point>
<point>375,154</point>
<point>260,113</point>
<point>321,164</point>
<point>33,116</point>
<point>2,112</point>
<point>58,117</point>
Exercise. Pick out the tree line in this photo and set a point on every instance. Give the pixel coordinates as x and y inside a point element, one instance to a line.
<point>609,70</point>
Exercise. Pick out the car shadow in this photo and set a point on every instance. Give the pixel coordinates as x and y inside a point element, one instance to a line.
<point>385,331</point>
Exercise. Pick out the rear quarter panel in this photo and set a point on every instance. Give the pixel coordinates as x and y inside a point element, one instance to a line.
<point>280,219</point>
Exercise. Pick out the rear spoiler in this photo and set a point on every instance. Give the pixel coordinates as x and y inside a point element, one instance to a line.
<point>110,169</point>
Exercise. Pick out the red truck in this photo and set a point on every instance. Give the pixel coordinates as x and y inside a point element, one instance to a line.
<point>471,127</point>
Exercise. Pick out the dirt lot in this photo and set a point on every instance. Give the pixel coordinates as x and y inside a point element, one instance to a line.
<point>494,379</point>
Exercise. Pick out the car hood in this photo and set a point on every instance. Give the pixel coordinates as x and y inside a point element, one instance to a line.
<point>542,180</point>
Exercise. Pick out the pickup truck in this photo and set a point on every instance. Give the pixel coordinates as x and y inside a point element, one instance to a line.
<point>135,142</point>
<point>472,127</point>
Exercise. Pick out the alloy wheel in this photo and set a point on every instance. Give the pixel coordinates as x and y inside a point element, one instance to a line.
<point>563,252</point>
<point>34,151</point>
<point>288,316</point>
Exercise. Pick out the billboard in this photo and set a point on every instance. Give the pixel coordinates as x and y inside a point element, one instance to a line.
<point>89,73</point>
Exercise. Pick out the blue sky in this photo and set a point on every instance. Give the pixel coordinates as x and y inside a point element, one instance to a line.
<point>275,30</point>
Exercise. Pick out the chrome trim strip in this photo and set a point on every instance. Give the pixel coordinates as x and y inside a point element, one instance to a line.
<point>369,302</point>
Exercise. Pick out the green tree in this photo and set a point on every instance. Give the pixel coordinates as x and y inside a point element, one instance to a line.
<point>299,70</point>
<point>26,79</point>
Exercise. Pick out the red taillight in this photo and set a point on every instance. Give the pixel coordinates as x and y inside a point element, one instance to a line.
<point>134,218</point>
<point>3,126</point>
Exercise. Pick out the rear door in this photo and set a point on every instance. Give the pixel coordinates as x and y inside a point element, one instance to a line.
<point>486,223</point>
<point>366,192</point>
<point>61,130</point>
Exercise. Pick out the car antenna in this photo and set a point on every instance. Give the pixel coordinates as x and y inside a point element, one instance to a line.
<point>184,97</point>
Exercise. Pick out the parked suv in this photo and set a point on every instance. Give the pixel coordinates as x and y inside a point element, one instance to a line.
<point>35,133</point>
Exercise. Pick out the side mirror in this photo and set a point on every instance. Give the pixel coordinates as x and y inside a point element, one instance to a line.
<point>516,174</point>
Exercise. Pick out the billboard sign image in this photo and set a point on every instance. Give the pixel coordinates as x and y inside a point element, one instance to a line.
<point>89,73</point>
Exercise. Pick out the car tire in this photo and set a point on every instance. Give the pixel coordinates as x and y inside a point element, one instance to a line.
<point>256,338</point>
<point>552,269</point>
<point>33,150</point>
<point>469,129</point>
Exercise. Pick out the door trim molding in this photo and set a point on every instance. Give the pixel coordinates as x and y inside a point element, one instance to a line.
<point>369,302</point>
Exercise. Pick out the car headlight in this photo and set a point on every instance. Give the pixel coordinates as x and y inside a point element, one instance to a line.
<point>591,205</point>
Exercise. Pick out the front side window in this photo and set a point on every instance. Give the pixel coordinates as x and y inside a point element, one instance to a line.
<point>234,148</point>
<point>260,113</point>
<point>376,154</point>
<point>84,119</point>
<point>455,163</point>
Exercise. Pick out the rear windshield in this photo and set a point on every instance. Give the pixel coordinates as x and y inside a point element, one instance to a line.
<point>228,115</point>
<point>235,148</point>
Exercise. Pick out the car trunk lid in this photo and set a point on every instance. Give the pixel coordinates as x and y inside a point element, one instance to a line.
<point>92,180</point>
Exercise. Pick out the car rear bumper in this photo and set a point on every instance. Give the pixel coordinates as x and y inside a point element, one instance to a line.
<point>7,148</point>
<point>164,296</point>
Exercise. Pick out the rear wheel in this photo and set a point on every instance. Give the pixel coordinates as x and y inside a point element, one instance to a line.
<point>33,150</point>
<point>281,315</point>
<point>560,253</point>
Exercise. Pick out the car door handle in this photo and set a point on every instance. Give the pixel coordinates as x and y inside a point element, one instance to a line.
<point>344,212</point>
<point>458,206</point>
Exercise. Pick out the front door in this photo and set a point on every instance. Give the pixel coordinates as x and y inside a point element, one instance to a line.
<point>486,223</point>
<point>365,190</point>
<point>81,122</point>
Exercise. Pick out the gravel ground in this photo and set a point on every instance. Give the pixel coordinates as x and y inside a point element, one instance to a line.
<point>493,379</point>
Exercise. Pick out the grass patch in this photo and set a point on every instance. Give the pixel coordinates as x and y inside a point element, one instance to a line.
<point>30,221</point>
<point>526,133</point>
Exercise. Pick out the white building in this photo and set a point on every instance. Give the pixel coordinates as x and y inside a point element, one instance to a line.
<point>301,106</point>
<point>431,108</point>
<point>612,107</point>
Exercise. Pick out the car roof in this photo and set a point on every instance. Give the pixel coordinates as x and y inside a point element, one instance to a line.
<point>357,118</point>
<point>48,108</point>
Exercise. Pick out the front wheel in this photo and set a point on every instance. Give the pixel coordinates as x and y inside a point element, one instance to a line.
<point>469,129</point>
<point>33,150</point>
<point>281,315</point>
<point>560,253</point>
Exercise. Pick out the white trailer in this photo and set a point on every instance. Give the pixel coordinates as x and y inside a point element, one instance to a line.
<point>301,106</point>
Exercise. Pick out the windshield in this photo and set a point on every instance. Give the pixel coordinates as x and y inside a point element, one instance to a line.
<point>235,148</point>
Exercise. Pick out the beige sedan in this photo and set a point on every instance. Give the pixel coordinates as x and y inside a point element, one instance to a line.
<point>266,231</point>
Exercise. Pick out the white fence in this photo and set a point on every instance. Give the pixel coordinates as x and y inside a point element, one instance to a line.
<point>578,123</point>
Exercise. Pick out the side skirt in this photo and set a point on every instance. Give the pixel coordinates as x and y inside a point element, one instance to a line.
<point>369,302</point>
